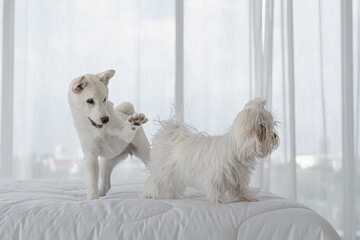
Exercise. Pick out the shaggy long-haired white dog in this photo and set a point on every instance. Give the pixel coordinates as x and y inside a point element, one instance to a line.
<point>105,132</point>
<point>219,165</point>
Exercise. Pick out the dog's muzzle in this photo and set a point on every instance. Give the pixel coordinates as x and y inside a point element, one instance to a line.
<point>95,124</point>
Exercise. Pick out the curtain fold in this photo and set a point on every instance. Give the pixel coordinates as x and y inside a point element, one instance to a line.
<point>261,48</point>
<point>6,144</point>
<point>348,119</point>
<point>289,92</point>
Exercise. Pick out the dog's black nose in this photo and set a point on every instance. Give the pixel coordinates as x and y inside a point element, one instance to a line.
<point>274,136</point>
<point>105,120</point>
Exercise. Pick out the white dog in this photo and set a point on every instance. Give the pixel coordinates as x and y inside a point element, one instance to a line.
<point>219,165</point>
<point>105,132</point>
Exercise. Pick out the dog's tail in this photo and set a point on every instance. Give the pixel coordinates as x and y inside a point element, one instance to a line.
<point>126,108</point>
<point>171,133</point>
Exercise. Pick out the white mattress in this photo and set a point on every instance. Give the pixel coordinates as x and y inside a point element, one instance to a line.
<point>48,209</point>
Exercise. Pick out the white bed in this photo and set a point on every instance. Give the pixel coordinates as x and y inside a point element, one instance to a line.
<point>49,209</point>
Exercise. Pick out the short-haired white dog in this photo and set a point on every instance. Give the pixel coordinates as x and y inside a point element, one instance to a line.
<point>105,132</point>
<point>219,165</point>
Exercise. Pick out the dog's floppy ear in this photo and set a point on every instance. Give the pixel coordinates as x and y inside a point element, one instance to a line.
<point>105,76</point>
<point>78,84</point>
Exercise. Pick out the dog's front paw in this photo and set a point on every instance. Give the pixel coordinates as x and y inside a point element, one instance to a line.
<point>248,195</point>
<point>248,199</point>
<point>103,190</point>
<point>137,120</point>
<point>92,197</point>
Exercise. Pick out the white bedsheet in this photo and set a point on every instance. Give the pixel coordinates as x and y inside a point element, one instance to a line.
<point>49,209</point>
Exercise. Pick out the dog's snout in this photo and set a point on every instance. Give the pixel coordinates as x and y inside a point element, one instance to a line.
<point>274,136</point>
<point>105,120</point>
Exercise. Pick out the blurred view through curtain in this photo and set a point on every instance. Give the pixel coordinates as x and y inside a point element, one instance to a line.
<point>299,55</point>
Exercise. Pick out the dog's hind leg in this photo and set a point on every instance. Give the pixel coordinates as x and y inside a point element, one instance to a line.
<point>141,146</point>
<point>151,188</point>
<point>156,189</point>
<point>163,185</point>
<point>106,168</point>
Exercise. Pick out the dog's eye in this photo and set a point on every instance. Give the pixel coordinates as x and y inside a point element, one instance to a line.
<point>90,100</point>
<point>104,99</point>
<point>262,127</point>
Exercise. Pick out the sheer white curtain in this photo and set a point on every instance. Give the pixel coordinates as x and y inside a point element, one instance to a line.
<point>208,57</point>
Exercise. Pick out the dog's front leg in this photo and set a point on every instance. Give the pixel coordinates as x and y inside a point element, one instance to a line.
<point>131,125</point>
<point>106,167</point>
<point>247,194</point>
<point>92,174</point>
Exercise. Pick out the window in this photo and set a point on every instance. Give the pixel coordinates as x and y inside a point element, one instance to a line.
<point>234,50</point>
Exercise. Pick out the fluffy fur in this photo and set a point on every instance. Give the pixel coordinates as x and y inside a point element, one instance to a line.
<point>219,165</point>
<point>105,132</point>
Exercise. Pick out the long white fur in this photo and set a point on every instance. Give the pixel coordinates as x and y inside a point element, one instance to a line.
<point>115,140</point>
<point>219,165</point>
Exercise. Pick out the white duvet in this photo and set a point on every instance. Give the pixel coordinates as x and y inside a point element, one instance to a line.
<point>48,209</point>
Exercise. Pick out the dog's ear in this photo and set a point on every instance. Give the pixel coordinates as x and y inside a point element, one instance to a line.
<point>78,84</point>
<point>261,132</point>
<point>105,76</point>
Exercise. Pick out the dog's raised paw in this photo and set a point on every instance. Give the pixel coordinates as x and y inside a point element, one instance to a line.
<point>137,120</point>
